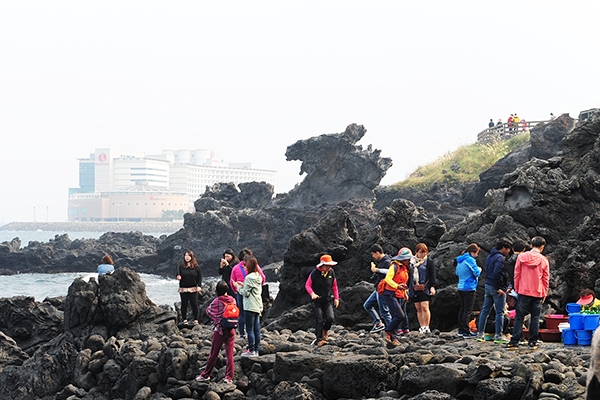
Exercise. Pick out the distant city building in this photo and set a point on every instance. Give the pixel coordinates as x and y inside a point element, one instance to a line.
<point>132,186</point>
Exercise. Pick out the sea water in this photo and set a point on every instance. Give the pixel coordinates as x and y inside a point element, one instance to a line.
<point>161,290</point>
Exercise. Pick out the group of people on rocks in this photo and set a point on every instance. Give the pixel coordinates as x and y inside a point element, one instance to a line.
<point>398,280</point>
<point>528,284</point>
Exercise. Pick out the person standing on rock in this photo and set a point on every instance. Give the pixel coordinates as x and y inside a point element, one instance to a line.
<point>251,291</point>
<point>395,289</point>
<point>320,285</point>
<point>468,271</point>
<point>238,274</point>
<point>379,270</point>
<point>532,279</point>
<point>496,285</point>
<point>220,336</point>
<point>107,266</point>
<point>422,285</point>
<point>228,261</point>
<point>189,276</point>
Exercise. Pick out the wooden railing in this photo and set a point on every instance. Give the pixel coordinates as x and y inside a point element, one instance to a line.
<point>506,130</point>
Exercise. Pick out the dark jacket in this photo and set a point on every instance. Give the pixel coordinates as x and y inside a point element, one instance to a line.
<point>383,263</point>
<point>190,277</point>
<point>495,273</point>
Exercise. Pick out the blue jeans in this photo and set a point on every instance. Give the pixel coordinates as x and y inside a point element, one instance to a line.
<point>499,301</point>
<point>242,317</point>
<point>527,305</point>
<point>375,298</point>
<point>393,304</point>
<point>253,329</point>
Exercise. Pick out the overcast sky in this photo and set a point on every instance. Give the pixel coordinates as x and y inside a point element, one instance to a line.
<point>249,78</point>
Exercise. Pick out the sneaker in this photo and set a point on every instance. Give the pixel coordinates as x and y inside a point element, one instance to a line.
<point>467,335</point>
<point>395,342</point>
<point>532,346</point>
<point>321,343</point>
<point>388,336</point>
<point>227,380</point>
<point>501,339</point>
<point>480,338</point>
<point>426,329</point>
<point>511,346</point>
<point>247,353</point>
<point>200,378</point>
<point>406,331</point>
<point>377,328</point>
<point>325,335</point>
<point>254,354</point>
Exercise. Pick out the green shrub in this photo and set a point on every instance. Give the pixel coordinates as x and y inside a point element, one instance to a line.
<point>462,165</point>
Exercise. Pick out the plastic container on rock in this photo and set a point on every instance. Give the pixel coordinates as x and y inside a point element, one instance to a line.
<point>573,308</point>
<point>550,335</point>
<point>576,321</point>
<point>591,321</point>
<point>584,337</point>
<point>568,337</point>
<point>553,320</point>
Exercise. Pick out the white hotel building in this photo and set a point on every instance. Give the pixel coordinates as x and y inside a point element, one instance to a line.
<point>132,186</point>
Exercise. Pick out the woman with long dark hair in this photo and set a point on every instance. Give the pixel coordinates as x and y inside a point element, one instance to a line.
<point>228,261</point>
<point>190,284</point>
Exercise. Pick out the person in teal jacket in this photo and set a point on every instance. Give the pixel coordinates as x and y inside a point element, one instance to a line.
<point>468,272</point>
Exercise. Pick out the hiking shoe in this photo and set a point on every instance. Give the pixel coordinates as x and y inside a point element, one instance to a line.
<point>247,353</point>
<point>377,328</point>
<point>480,338</point>
<point>532,346</point>
<point>200,378</point>
<point>501,339</point>
<point>510,346</point>
<point>227,380</point>
<point>325,335</point>
<point>322,343</point>
<point>388,336</point>
<point>395,342</point>
<point>469,335</point>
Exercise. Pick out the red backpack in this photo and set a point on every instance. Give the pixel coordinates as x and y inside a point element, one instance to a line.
<point>231,314</point>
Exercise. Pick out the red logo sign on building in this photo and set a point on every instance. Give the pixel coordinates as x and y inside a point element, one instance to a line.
<point>102,157</point>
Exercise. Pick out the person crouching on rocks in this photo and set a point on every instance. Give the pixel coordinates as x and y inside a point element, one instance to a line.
<point>189,276</point>
<point>320,284</point>
<point>251,291</point>
<point>395,290</point>
<point>220,336</point>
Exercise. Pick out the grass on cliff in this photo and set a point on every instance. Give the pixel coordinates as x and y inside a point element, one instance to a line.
<point>462,165</point>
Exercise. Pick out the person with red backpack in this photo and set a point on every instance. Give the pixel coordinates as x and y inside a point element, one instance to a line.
<point>221,335</point>
<point>395,289</point>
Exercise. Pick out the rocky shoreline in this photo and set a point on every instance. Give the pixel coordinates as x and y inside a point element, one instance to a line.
<point>105,341</point>
<point>99,226</point>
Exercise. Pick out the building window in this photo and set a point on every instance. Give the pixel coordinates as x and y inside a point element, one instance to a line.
<point>84,211</point>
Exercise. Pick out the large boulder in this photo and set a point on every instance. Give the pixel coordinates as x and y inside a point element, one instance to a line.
<point>337,170</point>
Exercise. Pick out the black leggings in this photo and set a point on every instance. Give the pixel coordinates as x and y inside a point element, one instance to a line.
<point>324,316</point>
<point>467,300</point>
<point>193,299</point>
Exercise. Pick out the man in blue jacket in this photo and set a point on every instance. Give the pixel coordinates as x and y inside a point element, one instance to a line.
<point>496,284</point>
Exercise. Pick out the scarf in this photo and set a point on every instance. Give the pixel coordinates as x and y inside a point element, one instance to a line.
<point>416,263</point>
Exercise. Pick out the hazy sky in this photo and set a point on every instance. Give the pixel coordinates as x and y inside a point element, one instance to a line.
<point>249,78</point>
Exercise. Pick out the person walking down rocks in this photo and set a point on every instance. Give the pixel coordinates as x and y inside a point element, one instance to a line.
<point>532,279</point>
<point>395,289</point>
<point>320,285</point>
<point>227,263</point>
<point>220,336</point>
<point>468,271</point>
<point>107,266</point>
<point>496,285</point>
<point>251,290</point>
<point>422,285</point>
<point>238,274</point>
<point>189,275</point>
<point>379,270</point>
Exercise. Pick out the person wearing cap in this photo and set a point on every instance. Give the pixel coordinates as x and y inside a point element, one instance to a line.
<point>320,285</point>
<point>395,289</point>
<point>587,297</point>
